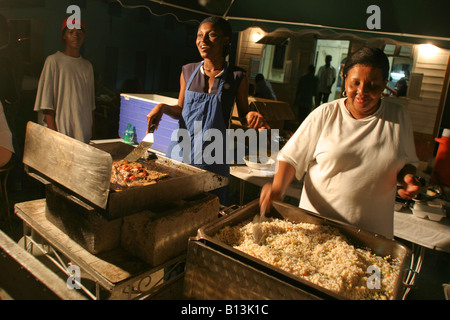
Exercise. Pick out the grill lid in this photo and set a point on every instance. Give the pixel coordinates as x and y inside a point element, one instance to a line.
<point>77,166</point>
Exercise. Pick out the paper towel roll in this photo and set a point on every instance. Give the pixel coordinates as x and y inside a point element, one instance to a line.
<point>446,133</point>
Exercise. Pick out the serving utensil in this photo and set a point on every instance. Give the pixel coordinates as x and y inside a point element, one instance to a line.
<point>257,220</point>
<point>145,144</point>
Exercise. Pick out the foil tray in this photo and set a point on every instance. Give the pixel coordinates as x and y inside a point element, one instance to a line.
<point>242,276</point>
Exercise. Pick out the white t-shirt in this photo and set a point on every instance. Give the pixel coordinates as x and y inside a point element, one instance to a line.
<point>352,165</point>
<point>5,133</point>
<point>66,85</point>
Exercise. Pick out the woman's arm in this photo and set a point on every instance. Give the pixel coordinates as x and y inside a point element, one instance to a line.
<point>254,119</point>
<point>173,111</point>
<point>275,191</point>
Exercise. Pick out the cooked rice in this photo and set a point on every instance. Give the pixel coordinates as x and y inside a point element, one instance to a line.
<point>317,253</point>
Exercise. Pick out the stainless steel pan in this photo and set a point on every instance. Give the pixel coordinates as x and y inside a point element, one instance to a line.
<point>379,244</point>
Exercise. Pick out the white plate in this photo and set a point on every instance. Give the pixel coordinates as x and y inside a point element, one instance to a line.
<point>262,163</point>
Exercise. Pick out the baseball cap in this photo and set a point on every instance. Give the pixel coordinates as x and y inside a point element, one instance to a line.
<point>73,22</point>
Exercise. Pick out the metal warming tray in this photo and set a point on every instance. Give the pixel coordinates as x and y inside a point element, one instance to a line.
<point>84,171</point>
<point>252,278</point>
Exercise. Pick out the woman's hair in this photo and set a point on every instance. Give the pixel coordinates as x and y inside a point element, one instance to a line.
<point>223,25</point>
<point>368,56</point>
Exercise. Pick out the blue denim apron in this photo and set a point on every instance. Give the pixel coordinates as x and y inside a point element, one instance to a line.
<point>201,113</point>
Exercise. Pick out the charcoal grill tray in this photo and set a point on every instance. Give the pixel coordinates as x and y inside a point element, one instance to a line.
<point>84,171</point>
<point>360,238</point>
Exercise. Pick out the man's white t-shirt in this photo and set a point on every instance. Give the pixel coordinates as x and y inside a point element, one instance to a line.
<point>352,165</point>
<point>66,85</point>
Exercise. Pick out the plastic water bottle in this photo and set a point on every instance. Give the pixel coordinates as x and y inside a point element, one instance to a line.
<point>128,135</point>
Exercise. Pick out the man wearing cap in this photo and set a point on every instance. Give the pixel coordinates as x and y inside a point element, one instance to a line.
<point>65,98</point>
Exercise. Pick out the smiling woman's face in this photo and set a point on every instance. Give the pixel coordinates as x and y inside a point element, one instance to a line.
<point>210,41</point>
<point>364,86</point>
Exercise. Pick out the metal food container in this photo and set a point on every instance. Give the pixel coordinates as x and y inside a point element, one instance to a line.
<point>215,270</point>
<point>84,171</point>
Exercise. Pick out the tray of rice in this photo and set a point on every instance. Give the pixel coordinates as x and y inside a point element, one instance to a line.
<point>299,252</point>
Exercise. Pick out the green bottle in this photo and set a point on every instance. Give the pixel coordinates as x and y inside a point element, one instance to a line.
<point>128,135</point>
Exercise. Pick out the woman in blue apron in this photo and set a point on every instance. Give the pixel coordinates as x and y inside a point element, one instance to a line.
<point>208,91</point>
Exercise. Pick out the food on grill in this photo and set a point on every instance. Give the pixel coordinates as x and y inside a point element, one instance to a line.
<point>319,254</point>
<point>132,174</point>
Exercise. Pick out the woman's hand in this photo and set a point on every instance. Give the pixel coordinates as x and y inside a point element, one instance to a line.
<point>268,194</point>
<point>255,120</point>
<point>154,116</point>
<point>411,186</point>
<point>275,191</point>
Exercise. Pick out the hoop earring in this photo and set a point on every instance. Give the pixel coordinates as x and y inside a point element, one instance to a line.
<point>344,93</point>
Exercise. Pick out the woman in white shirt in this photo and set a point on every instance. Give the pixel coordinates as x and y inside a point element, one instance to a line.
<point>352,152</point>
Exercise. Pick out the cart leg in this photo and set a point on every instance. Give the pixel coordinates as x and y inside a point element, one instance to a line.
<point>418,253</point>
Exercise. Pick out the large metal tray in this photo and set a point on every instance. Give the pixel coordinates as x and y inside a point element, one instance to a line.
<point>360,238</point>
<point>85,171</point>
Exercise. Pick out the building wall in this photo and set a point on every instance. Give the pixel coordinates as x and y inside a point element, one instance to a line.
<point>425,112</point>
<point>248,49</point>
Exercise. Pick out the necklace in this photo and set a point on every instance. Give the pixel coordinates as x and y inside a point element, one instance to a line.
<point>203,70</point>
<point>214,66</point>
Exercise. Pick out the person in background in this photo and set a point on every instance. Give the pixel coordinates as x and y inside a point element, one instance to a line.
<point>6,146</point>
<point>11,77</point>
<point>306,90</point>
<point>11,73</point>
<point>65,98</point>
<point>352,152</point>
<point>327,76</point>
<point>401,88</point>
<point>208,92</point>
<point>264,88</point>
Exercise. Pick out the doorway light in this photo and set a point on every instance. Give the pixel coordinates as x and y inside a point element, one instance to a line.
<point>428,50</point>
<point>257,34</point>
